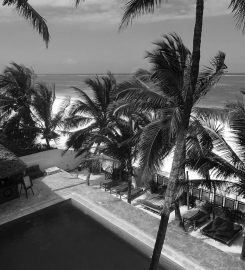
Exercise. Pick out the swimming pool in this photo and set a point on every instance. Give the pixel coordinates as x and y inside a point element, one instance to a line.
<point>62,237</point>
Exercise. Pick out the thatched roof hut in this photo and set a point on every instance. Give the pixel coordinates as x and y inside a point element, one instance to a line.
<point>10,164</point>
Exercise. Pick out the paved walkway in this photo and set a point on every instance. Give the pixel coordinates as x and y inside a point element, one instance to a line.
<point>179,246</point>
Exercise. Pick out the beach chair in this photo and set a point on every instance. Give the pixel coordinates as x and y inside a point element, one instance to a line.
<point>196,193</point>
<point>26,184</point>
<point>107,184</point>
<point>218,200</point>
<point>135,192</point>
<point>222,230</point>
<point>196,219</point>
<point>205,195</point>
<point>229,203</point>
<point>153,204</point>
<point>120,188</point>
<point>241,207</point>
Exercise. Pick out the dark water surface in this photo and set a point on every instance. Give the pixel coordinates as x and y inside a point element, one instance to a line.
<point>63,238</point>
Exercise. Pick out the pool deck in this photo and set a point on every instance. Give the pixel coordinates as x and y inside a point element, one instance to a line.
<point>180,247</point>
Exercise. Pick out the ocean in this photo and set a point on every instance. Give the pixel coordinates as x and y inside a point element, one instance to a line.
<point>228,88</point>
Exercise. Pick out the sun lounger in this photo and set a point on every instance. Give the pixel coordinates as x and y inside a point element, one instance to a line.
<point>196,193</point>
<point>196,219</point>
<point>241,207</point>
<point>107,184</point>
<point>218,200</point>
<point>229,203</point>
<point>120,188</point>
<point>222,230</point>
<point>135,192</point>
<point>205,195</point>
<point>154,204</point>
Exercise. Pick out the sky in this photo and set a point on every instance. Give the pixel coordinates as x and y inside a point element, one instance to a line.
<point>86,39</point>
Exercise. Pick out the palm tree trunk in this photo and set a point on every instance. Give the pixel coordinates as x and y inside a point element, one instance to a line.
<point>47,142</point>
<point>130,175</point>
<point>196,52</point>
<point>243,250</point>
<point>213,210</point>
<point>170,192</point>
<point>181,138</point>
<point>88,176</point>
<point>129,188</point>
<point>188,191</point>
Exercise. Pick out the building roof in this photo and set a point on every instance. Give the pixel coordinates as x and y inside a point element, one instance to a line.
<point>10,164</point>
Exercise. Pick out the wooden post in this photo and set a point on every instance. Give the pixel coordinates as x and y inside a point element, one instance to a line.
<point>188,191</point>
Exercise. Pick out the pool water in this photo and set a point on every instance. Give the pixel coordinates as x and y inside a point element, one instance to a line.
<point>62,237</point>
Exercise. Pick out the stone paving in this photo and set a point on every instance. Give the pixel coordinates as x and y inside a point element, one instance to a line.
<point>53,188</point>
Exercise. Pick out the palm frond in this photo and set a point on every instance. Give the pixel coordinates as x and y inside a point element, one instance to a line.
<point>144,97</point>
<point>237,125</point>
<point>238,9</point>
<point>135,8</point>
<point>155,144</point>
<point>209,76</point>
<point>29,13</point>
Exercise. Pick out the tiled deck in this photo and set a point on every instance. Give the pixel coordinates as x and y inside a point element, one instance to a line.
<point>189,250</point>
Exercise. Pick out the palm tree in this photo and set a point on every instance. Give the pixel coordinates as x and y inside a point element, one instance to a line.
<point>16,90</point>
<point>91,115</point>
<point>165,90</point>
<point>29,13</point>
<point>42,104</point>
<point>224,159</point>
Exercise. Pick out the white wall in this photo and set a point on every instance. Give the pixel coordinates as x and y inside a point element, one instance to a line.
<point>53,158</point>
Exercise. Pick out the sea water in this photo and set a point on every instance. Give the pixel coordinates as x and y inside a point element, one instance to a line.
<point>227,89</point>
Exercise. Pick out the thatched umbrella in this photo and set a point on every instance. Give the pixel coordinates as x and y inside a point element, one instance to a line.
<point>10,164</point>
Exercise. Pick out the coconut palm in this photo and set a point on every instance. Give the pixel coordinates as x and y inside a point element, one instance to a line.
<point>224,160</point>
<point>90,115</point>
<point>42,104</point>
<point>30,14</point>
<point>165,89</point>
<point>16,90</point>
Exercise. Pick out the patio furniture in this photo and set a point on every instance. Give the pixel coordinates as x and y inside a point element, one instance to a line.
<point>107,184</point>
<point>222,230</point>
<point>229,203</point>
<point>196,218</point>
<point>196,193</point>
<point>241,207</point>
<point>154,204</point>
<point>34,172</point>
<point>26,184</point>
<point>205,195</point>
<point>120,188</point>
<point>135,192</point>
<point>218,200</point>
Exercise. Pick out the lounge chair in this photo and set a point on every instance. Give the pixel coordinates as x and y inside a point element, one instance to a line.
<point>120,188</point>
<point>229,203</point>
<point>218,200</point>
<point>241,207</point>
<point>26,184</point>
<point>196,193</point>
<point>205,195</point>
<point>107,184</point>
<point>135,192</point>
<point>154,204</point>
<point>222,230</point>
<point>196,219</point>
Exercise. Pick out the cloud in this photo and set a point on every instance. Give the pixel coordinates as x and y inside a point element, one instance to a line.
<point>107,12</point>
